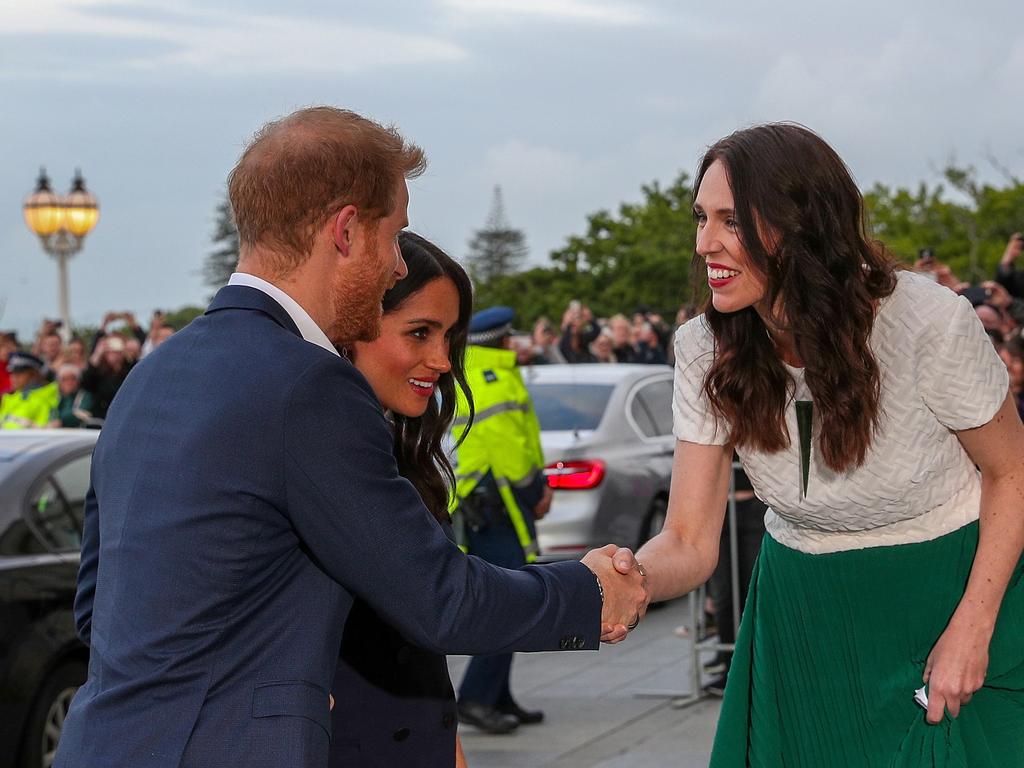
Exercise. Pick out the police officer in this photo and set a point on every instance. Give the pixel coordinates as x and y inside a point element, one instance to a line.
<point>33,400</point>
<point>500,492</point>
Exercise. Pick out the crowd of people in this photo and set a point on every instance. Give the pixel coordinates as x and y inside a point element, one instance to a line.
<point>999,304</point>
<point>60,381</point>
<point>71,384</point>
<point>644,338</point>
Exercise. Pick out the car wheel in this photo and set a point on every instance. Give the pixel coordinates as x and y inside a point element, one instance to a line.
<point>46,719</point>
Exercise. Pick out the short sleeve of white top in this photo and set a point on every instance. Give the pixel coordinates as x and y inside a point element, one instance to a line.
<point>939,374</point>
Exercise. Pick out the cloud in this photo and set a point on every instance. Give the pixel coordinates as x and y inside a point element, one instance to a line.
<point>586,11</point>
<point>147,35</point>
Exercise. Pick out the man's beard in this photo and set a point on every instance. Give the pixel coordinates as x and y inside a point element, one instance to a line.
<point>357,300</point>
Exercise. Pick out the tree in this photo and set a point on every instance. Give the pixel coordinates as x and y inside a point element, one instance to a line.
<point>497,250</point>
<point>967,236</point>
<point>641,255</point>
<point>223,259</point>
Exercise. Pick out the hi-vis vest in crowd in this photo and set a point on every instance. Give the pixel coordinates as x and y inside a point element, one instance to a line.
<point>28,409</point>
<point>504,438</point>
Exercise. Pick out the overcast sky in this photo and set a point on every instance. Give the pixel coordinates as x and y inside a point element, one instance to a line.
<point>569,105</point>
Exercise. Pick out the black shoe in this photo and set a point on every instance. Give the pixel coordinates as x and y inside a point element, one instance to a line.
<point>487,719</point>
<point>524,716</point>
<point>716,687</point>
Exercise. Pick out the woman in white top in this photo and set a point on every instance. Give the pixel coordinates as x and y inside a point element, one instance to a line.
<point>861,400</point>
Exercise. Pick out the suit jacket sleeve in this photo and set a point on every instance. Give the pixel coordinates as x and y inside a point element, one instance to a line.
<point>369,530</point>
<point>88,566</point>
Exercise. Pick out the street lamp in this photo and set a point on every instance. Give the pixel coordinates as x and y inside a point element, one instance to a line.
<point>62,222</point>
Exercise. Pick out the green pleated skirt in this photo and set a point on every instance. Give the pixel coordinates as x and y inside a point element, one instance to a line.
<point>832,647</point>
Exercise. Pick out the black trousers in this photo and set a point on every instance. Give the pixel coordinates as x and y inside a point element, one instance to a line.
<point>750,531</point>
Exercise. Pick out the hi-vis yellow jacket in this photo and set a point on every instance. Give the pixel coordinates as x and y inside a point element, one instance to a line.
<point>29,409</point>
<point>505,436</point>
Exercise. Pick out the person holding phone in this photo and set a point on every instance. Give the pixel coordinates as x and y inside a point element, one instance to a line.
<point>1007,273</point>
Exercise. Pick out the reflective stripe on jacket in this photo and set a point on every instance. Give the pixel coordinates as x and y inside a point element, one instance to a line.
<point>505,437</point>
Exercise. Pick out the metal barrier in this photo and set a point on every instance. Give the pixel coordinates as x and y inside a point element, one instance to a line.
<point>695,601</point>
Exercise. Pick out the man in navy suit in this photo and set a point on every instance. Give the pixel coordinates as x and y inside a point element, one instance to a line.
<point>244,492</point>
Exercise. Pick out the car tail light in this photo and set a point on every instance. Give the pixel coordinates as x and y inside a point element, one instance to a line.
<point>575,475</point>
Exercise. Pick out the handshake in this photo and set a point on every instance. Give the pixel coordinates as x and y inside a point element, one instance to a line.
<point>624,584</point>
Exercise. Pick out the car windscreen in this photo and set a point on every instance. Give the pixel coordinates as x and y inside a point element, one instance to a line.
<point>569,406</point>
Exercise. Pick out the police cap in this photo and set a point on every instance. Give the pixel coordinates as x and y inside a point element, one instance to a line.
<point>491,324</point>
<point>24,361</point>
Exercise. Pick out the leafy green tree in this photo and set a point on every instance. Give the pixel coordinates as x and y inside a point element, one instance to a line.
<point>221,261</point>
<point>639,255</point>
<point>967,235</point>
<point>497,250</point>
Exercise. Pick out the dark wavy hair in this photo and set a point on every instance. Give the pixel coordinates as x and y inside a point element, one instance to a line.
<point>823,277</point>
<point>419,441</point>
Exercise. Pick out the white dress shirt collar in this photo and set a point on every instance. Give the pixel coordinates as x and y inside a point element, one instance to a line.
<point>310,331</point>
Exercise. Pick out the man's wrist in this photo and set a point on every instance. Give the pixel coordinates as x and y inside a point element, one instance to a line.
<point>600,587</point>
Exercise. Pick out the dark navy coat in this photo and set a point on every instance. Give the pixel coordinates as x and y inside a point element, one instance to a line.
<point>244,495</point>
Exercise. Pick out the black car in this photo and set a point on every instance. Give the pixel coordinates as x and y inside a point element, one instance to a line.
<point>44,476</point>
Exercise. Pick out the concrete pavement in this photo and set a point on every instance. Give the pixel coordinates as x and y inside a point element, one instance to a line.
<point>598,707</point>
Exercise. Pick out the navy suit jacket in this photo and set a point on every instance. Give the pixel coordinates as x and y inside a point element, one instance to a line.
<point>244,495</point>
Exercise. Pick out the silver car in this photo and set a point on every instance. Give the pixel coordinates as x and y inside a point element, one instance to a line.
<point>607,436</point>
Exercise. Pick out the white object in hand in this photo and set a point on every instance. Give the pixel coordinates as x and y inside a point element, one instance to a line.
<point>921,696</point>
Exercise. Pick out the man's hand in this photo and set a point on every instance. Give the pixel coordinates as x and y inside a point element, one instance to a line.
<point>544,505</point>
<point>625,590</point>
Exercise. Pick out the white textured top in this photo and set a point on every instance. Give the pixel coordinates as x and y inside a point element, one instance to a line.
<point>939,374</point>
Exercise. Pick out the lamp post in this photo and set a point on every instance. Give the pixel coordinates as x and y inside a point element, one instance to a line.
<point>61,222</point>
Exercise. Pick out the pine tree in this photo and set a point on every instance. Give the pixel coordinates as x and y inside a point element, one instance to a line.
<point>496,250</point>
<point>221,261</point>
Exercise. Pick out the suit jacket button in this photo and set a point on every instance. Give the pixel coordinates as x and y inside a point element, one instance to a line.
<point>448,720</point>
<point>580,642</point>
<point>563,643</point>
<point>402,734</point>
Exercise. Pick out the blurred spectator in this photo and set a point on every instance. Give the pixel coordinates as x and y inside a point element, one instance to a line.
<point>1007,273</point>
<point>126,319</point>
<point>1012,353</point>
<point>648,346</point>
<point>74,354</point>
<point>622,339</point>
<point>930,267</point>
<point>545,343</point>
<point>578,331</point>
<point>108,368</point>
<point>33,400</point>
<point>132,349</point>
<point>74,410</point>
<point>601,349</point>
<point>49,345</point>
<point>158,333</point>
<point>686,313</point>
<point>8,346</point>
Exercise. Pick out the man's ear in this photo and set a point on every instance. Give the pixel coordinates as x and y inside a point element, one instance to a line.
<point>343,228</point>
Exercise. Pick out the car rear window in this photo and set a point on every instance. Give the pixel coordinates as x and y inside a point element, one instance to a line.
<point>570,406</point>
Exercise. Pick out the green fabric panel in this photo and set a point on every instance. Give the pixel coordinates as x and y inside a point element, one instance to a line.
<point>832,647</point>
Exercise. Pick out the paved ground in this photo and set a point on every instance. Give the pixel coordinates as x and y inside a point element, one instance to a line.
<point>599,713</point>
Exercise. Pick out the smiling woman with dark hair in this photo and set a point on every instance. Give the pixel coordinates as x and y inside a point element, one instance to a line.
<point>862,402</point>
<point>414,366</point>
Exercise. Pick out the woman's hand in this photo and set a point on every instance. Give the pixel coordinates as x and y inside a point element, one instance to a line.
<point>956,667</point>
